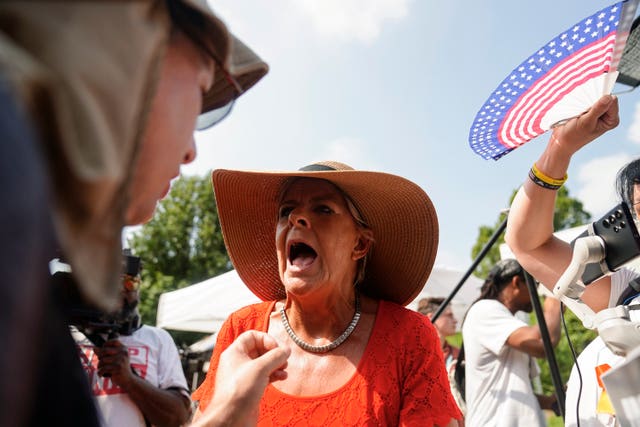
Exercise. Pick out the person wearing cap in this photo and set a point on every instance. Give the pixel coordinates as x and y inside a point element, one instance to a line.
<point>499,350</point>
<point>98,104</point>
<point>530,236</point>
<point>134,369</point>
<point>335,254</point>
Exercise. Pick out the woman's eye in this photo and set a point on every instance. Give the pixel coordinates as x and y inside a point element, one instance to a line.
<point>285,211</point>
<point>324,209</point>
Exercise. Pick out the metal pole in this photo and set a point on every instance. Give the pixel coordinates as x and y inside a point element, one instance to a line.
<point>546,340</point>
<point>474,264</point>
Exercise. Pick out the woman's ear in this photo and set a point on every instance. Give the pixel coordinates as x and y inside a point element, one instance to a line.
<point>363,244</point>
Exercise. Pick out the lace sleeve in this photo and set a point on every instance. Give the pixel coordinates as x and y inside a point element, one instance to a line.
<point>426,393</point>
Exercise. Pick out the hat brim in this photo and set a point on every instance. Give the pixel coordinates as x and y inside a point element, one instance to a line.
<point>399,212</point>
<point>233,58</point>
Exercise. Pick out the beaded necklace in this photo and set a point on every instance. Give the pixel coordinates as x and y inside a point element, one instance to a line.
<point>321,348</point>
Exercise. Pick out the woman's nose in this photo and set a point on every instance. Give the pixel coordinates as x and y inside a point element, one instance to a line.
<point>298,217</point>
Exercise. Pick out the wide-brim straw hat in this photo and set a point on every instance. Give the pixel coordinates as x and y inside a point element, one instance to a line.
<point>398,211</point>
<point>232,57</point>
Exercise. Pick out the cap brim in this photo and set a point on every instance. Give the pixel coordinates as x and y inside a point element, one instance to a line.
<point>234,59</point>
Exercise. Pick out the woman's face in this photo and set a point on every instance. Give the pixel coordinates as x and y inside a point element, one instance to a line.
<point>317,241</point>
<point>168,141</point>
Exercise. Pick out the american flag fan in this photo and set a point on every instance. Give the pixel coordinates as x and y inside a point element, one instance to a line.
<point>560,81</point>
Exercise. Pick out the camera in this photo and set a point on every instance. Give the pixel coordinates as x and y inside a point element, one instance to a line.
<point>99,326</point>
<point>621,240</point>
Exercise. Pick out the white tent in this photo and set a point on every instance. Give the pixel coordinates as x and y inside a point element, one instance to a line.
<point>204,306</point>
<point>440,284</point>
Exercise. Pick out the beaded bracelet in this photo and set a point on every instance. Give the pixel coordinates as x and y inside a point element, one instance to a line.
<point>544,181</point>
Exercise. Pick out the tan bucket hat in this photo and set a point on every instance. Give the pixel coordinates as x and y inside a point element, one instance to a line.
<point>237,67</point>
<point>399,212</point>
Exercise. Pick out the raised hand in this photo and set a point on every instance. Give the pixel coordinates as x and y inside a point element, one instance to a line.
<point>245,369</point>
<point>578,132</point>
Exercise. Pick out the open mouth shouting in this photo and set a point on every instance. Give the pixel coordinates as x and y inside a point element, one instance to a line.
<point>300,255</point>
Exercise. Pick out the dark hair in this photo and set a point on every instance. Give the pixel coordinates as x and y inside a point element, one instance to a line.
<point>627,176</point>
<point>429,305</point>
<point>499,276</point>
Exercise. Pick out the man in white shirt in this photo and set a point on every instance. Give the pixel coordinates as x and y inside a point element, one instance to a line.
<point>499,351</point>
<point>137,377</point>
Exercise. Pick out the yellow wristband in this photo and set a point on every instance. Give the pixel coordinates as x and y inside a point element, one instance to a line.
<point>547,179</point>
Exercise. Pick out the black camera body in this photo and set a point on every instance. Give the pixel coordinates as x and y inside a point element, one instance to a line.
<point>618,230</point>
<point>98,326</point>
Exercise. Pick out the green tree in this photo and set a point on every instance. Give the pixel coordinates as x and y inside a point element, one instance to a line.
<point>180,246</point>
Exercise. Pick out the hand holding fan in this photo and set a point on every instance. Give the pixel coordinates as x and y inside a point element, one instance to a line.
<point>558,82</point>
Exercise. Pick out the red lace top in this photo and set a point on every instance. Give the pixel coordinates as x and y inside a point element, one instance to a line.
<point>400,380</point>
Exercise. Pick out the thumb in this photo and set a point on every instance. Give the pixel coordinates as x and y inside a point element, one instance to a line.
<point>273,360</point>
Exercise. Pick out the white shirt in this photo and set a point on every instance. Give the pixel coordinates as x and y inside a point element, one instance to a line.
<point>594,354</point>
<point>154,357</point>
<point>498,377</point>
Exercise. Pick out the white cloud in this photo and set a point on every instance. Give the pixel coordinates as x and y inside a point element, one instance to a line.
<point>347,20</point>
<point>634,127</point>
<point>597,181</point>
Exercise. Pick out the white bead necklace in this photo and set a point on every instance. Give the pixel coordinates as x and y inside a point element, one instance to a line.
<point>321,348</point>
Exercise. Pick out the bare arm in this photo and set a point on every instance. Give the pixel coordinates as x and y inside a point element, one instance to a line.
<point>528,338</point>
<point>530,225</point>
<point>161,407</point>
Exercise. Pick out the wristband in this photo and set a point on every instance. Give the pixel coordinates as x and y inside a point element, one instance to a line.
<point>544,181</point>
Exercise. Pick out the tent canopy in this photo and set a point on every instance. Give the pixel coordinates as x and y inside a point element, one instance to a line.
<point>204,306</point>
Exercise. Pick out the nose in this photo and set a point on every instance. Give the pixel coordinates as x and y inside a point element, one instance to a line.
<point>191,152</point>
<point>298,217</point>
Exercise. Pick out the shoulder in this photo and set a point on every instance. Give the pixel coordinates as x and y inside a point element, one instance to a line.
<point>393,317</point>
<point>254,315</point>
<point>393,311</point>
<point>148,333</point>
<point>151,330</point>
<point>486,306</point>
<point>619,282</point>
<point>488,314</point>
<point>253,309</point>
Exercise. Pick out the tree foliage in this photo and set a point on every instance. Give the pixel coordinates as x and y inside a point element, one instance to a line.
<point>181,245</point>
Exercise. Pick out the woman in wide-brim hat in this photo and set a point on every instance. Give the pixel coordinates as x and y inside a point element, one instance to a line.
<point>336,254</point>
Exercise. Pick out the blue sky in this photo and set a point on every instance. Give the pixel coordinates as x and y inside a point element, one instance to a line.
<point>394,85</point>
